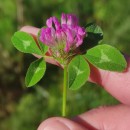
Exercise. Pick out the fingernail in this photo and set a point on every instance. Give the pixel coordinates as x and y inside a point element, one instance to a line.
<point>56,125</point>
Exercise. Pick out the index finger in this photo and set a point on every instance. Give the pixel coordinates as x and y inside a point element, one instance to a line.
<point>117,84</point>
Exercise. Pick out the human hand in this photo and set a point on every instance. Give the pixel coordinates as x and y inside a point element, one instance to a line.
<point>103,118</point>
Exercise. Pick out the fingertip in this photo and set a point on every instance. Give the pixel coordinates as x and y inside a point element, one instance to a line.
<point>30,29</point>
<point>59,123</point>
<point>53,123</point>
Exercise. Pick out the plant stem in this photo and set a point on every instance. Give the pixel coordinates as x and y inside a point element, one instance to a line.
<point>65,85</point>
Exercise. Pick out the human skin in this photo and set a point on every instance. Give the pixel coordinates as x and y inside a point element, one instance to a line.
<point>102,118</point>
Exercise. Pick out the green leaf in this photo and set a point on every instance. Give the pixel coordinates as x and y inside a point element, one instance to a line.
<point>35,72</point>
<point>93,37</point>
<point>24,42</point>
<point>43,47</point>
<point>95,29</point>
<point>79,71</point>
<point>106,57</point>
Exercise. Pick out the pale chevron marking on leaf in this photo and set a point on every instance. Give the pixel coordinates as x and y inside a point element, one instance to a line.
<point>38,69</point>
<point>104,57</point>
<point>77,70</point>
<point>26,44</point>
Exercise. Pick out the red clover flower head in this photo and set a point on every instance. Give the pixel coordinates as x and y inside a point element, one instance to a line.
<point>64,37</point>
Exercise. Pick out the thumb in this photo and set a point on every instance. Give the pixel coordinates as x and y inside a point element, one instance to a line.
<point>59,123</point>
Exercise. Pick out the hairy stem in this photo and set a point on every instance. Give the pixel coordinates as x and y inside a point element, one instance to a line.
<point>65,85</point>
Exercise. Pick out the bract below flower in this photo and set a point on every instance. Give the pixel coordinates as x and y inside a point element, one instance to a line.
<point>64,37</point>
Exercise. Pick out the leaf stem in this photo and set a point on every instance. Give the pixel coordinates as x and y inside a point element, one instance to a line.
<point>65,85</point>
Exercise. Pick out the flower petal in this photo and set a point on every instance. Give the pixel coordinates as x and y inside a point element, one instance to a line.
<point>42,36</point>
<point>56,23</point>
<point>72,20</point>
<point>50,36</point>
<point>58,34</point>
<point>79,40</point>
<point>67,47</point>
<point>69,35</point>
<point>81,31</point>
<point>49,22</point>
<point>63,18</point>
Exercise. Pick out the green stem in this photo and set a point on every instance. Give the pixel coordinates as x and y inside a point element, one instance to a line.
<point>65,85</point>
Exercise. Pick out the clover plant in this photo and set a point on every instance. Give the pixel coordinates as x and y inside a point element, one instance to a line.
<point>73,47</point>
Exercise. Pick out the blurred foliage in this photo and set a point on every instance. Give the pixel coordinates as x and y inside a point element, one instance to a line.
<point>24,108</point>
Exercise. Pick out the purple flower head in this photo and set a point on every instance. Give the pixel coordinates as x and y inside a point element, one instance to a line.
<point>65,36</point>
